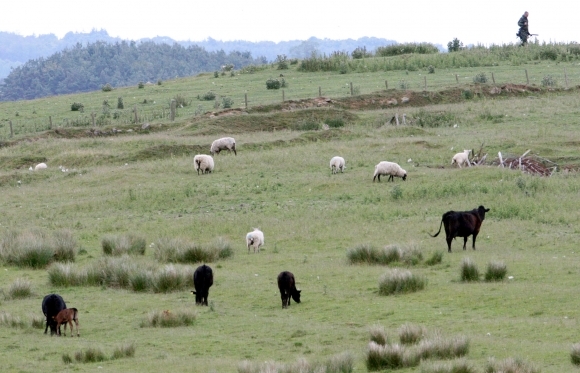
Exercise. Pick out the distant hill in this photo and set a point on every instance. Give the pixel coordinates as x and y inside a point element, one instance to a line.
<point>17,49</point>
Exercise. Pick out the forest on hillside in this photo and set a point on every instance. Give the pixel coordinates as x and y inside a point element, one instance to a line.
<point>89,67</point>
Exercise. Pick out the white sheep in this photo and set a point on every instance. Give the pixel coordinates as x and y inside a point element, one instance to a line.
<point>222,144</point>
<point>337,163</point>
<point>203,163</point>
<point>461,158</point>
<point>389,168</point>
<point>40,166</point>
<point>255,239</point>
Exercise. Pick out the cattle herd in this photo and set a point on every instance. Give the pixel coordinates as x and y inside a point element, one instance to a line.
<point>456,223</point>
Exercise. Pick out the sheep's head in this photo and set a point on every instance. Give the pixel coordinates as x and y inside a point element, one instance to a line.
<point>404,176</point>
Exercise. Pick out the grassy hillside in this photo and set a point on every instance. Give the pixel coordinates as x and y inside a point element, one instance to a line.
<point>143,183</point>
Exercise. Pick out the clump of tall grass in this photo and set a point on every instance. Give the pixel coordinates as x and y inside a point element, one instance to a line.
<point>37,322</point>
<point>169,319</point>
<point>7,319</point>
<point>169,279</point>
<point>509,365</point>
<point>575,354</point>
<point>379,335</point>
<point>90,355</point>
<point>441,348</point>
<point>37,249</point>
<point>117,245</point>
<point>19,289</point>
<point>455,366</point>
<point>369,254</point>
<point>341,363</point>
<point>389,357</point>
<point>468,271</point>
<point>125,350</point>
<point>177,250</point>
<point>496,271</point>
<point>65,274</point>
<point>410,334</point>
<point>435,258</point>
<point>400,281</point>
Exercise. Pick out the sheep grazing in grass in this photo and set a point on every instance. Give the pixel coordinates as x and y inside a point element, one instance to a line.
<point>203,163</point>
<point>389,168</point>
<point>461,158</point>
<point>255,239</point>
<point>222,144</point>
<point>40,166</point>
<point>337,163</point>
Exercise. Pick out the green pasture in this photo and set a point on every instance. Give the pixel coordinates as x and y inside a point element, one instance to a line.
<point>144,183</point>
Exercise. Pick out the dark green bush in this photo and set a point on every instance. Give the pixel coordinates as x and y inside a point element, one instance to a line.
<point>480,78</point>
<point>77,106</point>
<point>107,88</point>
<point>208,96</point>
<point>120,104</point>
<point>141,85</point>
<point>227,102</point>
<point>273,84</point>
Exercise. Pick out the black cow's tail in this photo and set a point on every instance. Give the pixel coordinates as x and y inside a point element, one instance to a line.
<point>437,234</point>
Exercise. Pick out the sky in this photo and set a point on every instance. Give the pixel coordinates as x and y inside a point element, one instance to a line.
<point>434,21</point>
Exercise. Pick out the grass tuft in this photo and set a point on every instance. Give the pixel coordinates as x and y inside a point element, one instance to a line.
<point>509,365</point>
<point>441,348</point>
<point>435,258</point>
<point>496,271</point>
<point>19,289</point>
<point>123,351</point>
<point>118,245</point>
<point>90,355</point>
<point>469,271</point>
<point>6,319</point>
<point>177,250</point>
<point>575,354</point>
<point>455,366</point>
<point>36,249</point>
<point>169,319</point>
<point>400,281</point>
<point>379,335</point>
<point>410,334</point>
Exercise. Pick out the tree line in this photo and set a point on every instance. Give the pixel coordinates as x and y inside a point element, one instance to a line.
<point>83,68</point>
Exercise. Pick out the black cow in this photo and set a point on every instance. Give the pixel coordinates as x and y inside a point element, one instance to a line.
<point>52,304</point>
<point>287,286</point>
<point>462,224</point>
<point>202,281</point>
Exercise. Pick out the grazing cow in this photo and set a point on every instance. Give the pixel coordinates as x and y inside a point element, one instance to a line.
<point>52,304</point>
<point>287,286</point>
<point>462,224</point>
<point>67,316</point>
<point>202,281</point>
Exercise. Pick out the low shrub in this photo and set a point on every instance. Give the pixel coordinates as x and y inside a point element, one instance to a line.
<point>117,245</point>
<point>431,69</point>
<point>334,122</point>
<point>19,289</point>
<point>306,125</point>
<point>480,78</point>
<point>467,94</point>
<point>227,102</point>
<point>208,96</point>
<point>168,319</point>
<point>548,81</point>
<point>273,84</point>
<point>496,271</point>
<point>425,118</point>
<point>77,106</point>
<point>107,88</point>
<point>469,271</point>
<point>141,85</point>
<point>400,281</point>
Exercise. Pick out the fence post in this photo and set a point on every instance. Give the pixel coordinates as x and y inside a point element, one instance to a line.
<point>11,129</point>
<point>456,79</point>
<point>49,122</point>
<point>492,78</point>
<point>351,90</point>
<point>386,84</point>
<point>319,91</point>
<point>246,99</point>
<point>283,96</point>
<point>527,78</point>
<point>93,118</point>
<point>566,78</point>
<point>425,78</point>
<point>136,117</point>
<point>173,108</point>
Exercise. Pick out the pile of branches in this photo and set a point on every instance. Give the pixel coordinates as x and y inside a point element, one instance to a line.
<point>532,164</point>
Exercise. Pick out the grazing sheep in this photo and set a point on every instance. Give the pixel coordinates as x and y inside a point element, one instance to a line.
<point>203,163</point>
<point>389,168</point>
<point>337,163</point>
<point>222,144</point>
<point>255,239</point>
<point>461,158</point>
<point>40,166</point>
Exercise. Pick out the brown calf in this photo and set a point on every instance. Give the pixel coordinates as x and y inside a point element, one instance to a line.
<point>67,316</point>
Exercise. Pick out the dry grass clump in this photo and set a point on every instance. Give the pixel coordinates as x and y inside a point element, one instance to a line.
<point>369,254</point>
<point>575,354</point>
<point>410,334</point>
<point>468,271</point>
<point>400,281</point>
<point>19,289</point>
<point>93,355</point>
<point>341,363</point>
<point>169,319</point>
<point>441,348</point>
<point>178,250</point>
<point>496,271</point>
<point>389,357</point>
<point>117,245</point>
<point>455,366</point>
<point>379,335</point>
<point>125,350</point>
<point>89,355</point>
<point>37,249</point>
<point>37,322</point>
<point>6,319</point>
<point>435,258</point>
<point>509,365</point>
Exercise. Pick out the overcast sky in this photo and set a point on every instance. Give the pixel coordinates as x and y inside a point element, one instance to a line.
<point>434,21</point>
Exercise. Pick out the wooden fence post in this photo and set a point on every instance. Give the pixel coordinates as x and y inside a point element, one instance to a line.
<point>351,90</point>
<point>527,78</point>
<point>49,122</point>
<point>425,78</point>
<point>456,79</point>
<point>246,99</point>
<point>319,91</point>
<point>136,117</point>
<point>173,108</point>
<point>282,95</point>
<point>492,78</point>
<point>11,129</point>
<point>386,84</point>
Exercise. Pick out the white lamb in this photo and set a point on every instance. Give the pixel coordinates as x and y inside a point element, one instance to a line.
<point>461,158</point>
<point>40,166</point>
<point>255,239</point>
<point>337,163</point>
<point>389,168</point>
<point>203,163</point>
<point>222,144</point>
